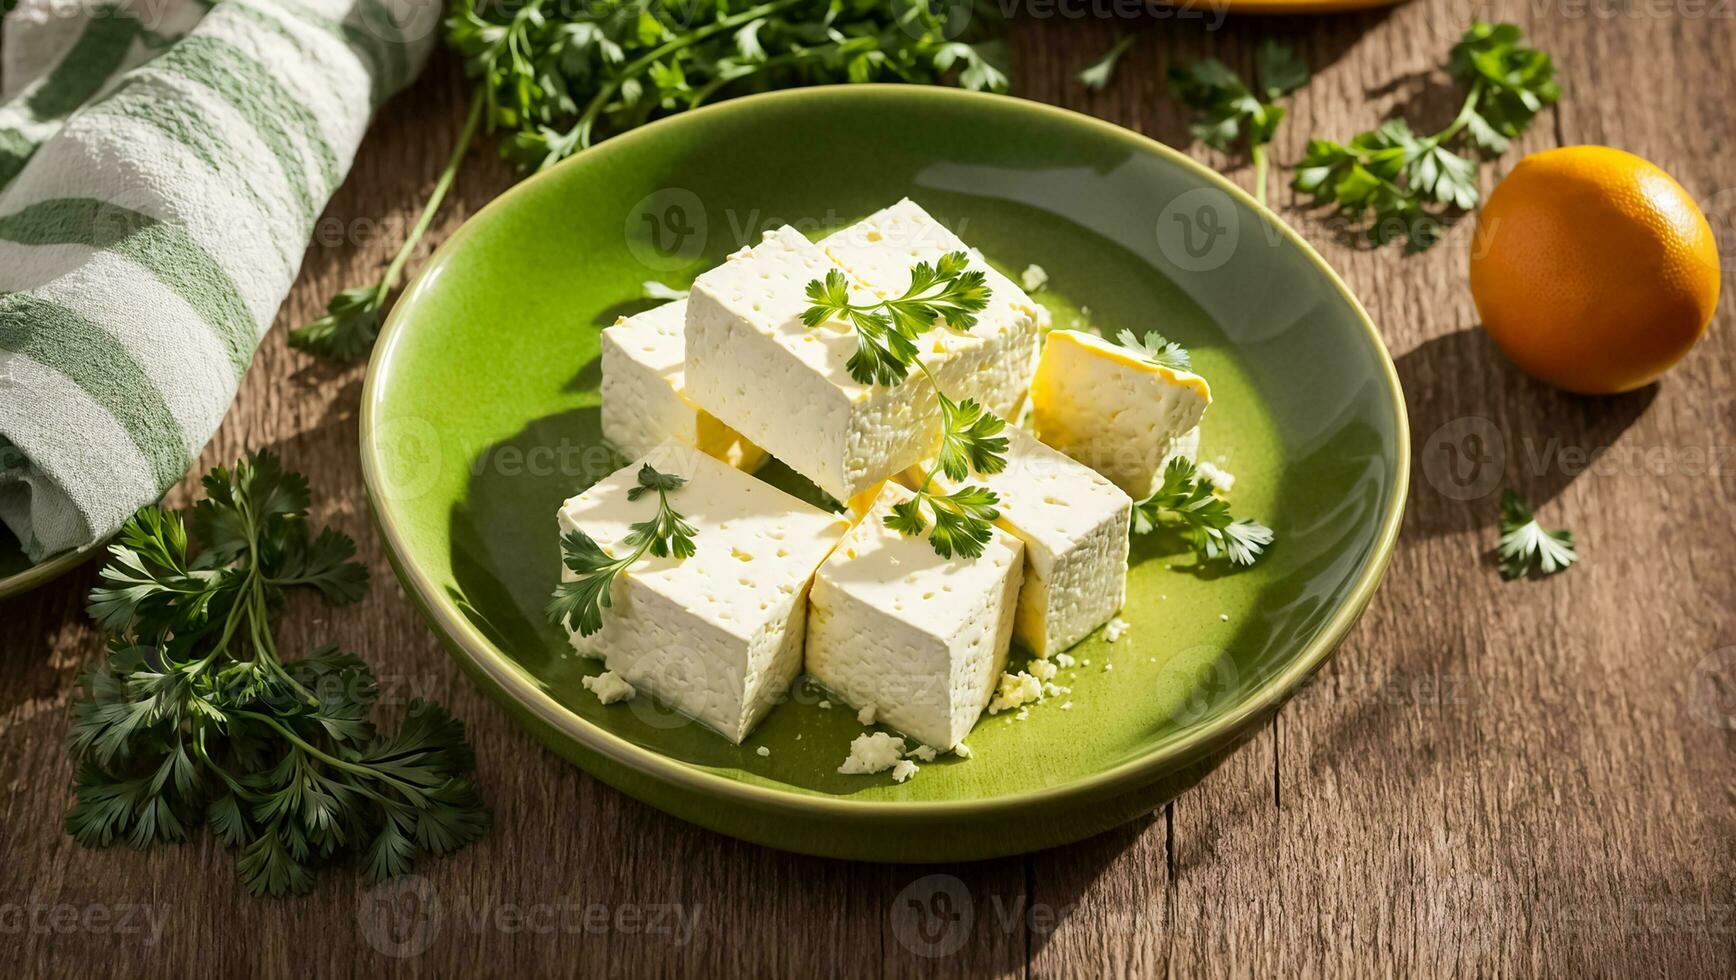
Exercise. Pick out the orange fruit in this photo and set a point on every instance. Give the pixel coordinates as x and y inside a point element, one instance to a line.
<point>1593,269</point>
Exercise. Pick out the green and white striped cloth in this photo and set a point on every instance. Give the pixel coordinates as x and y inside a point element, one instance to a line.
<point>162,163</point>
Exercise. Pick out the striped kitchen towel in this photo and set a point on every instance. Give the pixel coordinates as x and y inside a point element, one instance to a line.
<point>162,163</point>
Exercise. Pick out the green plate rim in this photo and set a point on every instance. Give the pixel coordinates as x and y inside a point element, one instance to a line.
<point>43,573</point>
<point>526,694</point>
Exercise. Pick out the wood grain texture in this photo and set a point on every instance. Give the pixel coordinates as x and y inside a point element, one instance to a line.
<point>1517,778</point>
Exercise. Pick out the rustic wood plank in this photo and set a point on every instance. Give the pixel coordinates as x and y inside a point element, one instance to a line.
<point>1489,777</point>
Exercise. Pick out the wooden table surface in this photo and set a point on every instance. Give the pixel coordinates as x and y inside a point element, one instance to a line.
<point>1525,778</point>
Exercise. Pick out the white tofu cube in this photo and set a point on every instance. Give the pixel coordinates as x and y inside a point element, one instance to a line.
<point>918,638</point>
<point>753,363</point>
<point>1074,524</point>
<point>880,249</point>
<point>718,634</point>
<point>1114,410</point>
<point>644,391</point>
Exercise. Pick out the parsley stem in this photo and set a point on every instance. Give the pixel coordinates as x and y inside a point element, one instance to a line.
<point>1258,152</point>
<point>390,280</point>
<point>1459,122</point>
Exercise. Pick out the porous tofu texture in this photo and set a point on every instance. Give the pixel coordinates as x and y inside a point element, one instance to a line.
<point>1074,525</point>
<point>644,391</point>
<point>880,250</point>
<point>718,634</point>
<point>1115,411</point>
<point>753,363</point>
<point>919,638</point>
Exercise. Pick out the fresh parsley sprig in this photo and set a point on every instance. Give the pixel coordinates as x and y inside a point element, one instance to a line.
<point>970,441</point>
<point>196,717</point>
<point>1528,548</point>
<point>946,291</point>
<point>886,331</point>
<point>1157,349</point>
<point>1189,502</point>
<point>553,79</point>
<point>1405,184</point>
<point>1227,109</point>
<point>579,604</point>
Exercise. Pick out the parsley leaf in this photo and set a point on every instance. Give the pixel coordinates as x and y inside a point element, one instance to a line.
<point>1189,502</point>
<point>1527,548</point>
<point>579,604</point>
<point>946,291</point>
<point>553,79</point>
<point>886,331</point>
<point>1226,109</point>
<point>1096,75</point>
<point>1157,349</point>
<point>1404,185</point>
<point>196,717</point>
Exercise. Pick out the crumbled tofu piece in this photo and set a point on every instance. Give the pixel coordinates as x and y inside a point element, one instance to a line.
<point>1034,278</point>
<point>609,687</point>
<point>1066,706</point>
<point>1042,670</point>
<point>1223,617</point>
<point>1114,629</point>
<point>1015,690</point>
<point>827,705</point>
<point>762,751</point>
<point>961,750</point>
<point>1023,714</point>
<point>923,753</point>
<point>903,769</point>
<point>1065,659</point>
<point>871,753</point>
<point>866,715</point>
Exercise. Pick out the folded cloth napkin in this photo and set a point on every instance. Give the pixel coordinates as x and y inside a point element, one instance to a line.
<point>162,163</point>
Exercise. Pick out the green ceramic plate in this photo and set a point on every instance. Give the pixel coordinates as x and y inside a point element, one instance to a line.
<point>480,416</point>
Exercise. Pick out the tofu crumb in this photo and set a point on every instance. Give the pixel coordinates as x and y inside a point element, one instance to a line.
<point>871,753</point>
<point>961,750</point>
<point>902,770</point>
<point>1014,690</point>
<point>1065,660</point>
<point>1108,667</point>
<point>1086,661</point>
<point>1023,714</point>
<point>609,687</point>
<point>1223,617</point>
<point>826,704</point>
<point>1114,629</point>
<point>924,753</point>
<point>1066,706</point>
<point>762,751</point>
<point>1034,278</point>
<point>1042,670</point>
<point>1222,479</point>
<point>799,734</point>
<point>866,715</point>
